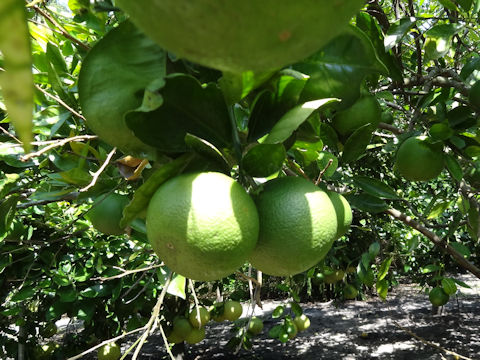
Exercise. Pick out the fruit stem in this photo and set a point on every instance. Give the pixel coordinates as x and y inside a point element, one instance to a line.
<point>237,145</point>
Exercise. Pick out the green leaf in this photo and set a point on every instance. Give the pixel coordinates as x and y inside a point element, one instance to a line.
<point>278,312</point>
<point>473,222</point>
<point>382,288</point>
<point>188,107</point>
<point>366,276</point>
<point>367,203</point>
<point>375,187</point>
<point>263,160</point>
<point>7,182</point>
<point>275,331</point>
<point>462,249</point>
<point>16,82</point>
<point>441,131</point>
<point>374,249</point>
<point>207,151</point>
<point>383,270</point>
<point>397,31</point>
<point>236,86</point>
<point>297,310</point>
<point>438,40</point>
<point>339,68</point>
<point>95,291</point>
<point>293,119</point>
<point>448,4</point>
<point>449,286</point>
<point>439,209</point>
<point>356,144</point>
<point>454,167</point>
<point>144,193</point>
<point>24,293</point>
<point>86,310</point>
<point>429,268</point>
<point>470,66</point>
<point>7,213</point>
<point>112,80</point>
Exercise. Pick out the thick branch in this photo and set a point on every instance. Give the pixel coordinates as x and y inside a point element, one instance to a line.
<point>444,246</point>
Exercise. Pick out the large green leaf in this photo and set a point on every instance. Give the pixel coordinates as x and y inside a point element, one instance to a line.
<point>112,81</point>
<point>339,68</point>
<point>356,144</point>
<point>236,86</point>
<point>290,122</point>
<point>263,160</point>
<point>438,40</point>
<point>375,187</point>
<point>397,31</point>
<point>367,203</point>
<point>17,81</point>
<point>187,107</point>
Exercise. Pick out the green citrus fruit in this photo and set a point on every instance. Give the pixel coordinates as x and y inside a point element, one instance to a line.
<point>474,94</point>
<point>343,211</point>
<point>202,225</point>
<point>318,278</point>
<point>351,270</point>
<point>241,35</point>
<point>232,310</point>
<point>256,326</point>
<point>438,297</point>
<point>106,213</point>
<point>363,111</point>
<point>330,276</point>
<point>199,317</point>
<point>339,274</point>
<point>418,160</point>
<point>387,117</point>
<point>302,322</point>
<point>175,338</point>
<point>110,351</point>
<point>350,292</point>
<point>182,327</point>
<point>195,336</point>
<point>298,225</point>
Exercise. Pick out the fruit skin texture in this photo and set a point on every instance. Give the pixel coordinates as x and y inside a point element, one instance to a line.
<point>343,211</point>
<point>232,310</point>
<point>241,35</point>
<point>438,297</point>
<point>202,225</point>
<point>109,351</point>
<point>106,216</point>
<point>256,326</point>
<point>204,317</point>
<point>363,111</point>
<point>302,322</point>
<point>418,160</point>
<point>474,94</point>
<point>182,327</point>
<point>298,225</point>
<point>195,336</point>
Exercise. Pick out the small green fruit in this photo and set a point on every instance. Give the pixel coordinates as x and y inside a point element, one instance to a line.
<point>195,336</point>
<point>256,326</point>
<point>302,322</point>
<point>232,310</point>
<point>199,317</point>
<point>110,351</point>
<point>438,297</point>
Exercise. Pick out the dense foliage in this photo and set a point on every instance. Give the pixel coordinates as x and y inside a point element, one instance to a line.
<point>115,113</point>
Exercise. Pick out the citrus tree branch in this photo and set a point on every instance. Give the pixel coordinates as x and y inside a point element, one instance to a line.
<point>442,244</point>
<point>99,171</point>
<point>57,143</point>
<point>61,102</point>
<point>128,272</point>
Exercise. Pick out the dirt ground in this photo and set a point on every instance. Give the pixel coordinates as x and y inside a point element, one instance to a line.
<point>358,330</point>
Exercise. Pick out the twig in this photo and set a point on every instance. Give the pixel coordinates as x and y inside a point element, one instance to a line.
<point>195,299</point>
<point>449,352</point>
<point>100,171</point>
<point>60,27</point>
<point>145,287</point>
<point>323,172</point>
<point>128,272</point>
<point>11,135</point>
<point>61,102</point>
<point>248,278</point>
<point>105,343</point>
<point>390,128</point>
<point>155,313</point>
<point>56,143</point>
<point>444,246</point>
<point>294,166</point>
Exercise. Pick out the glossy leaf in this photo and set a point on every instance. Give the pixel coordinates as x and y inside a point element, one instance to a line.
<point>338,69</point>
<point>449,286</point>
<point>454,167</point>
<point>384,267</point>
<point>367,203</point>
<point>236,86</point>
<point>112,80</point>
<point>356,144</point>
<point>278,312</point>
<point>293,119</point>
<point>263,160</point>
<point>397,31</point>
<point>462,249</point>
<point>375,187</point>
<point>382,288</point>
<point>16,82</point>
<point>207,151</point>
<point>188,107</point>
